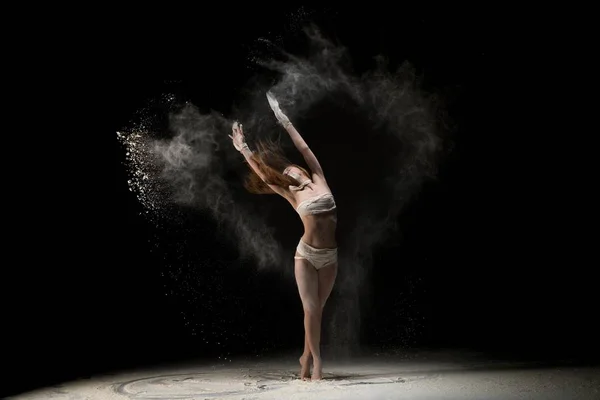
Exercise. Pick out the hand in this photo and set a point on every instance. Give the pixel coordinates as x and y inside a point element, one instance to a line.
<point>238,139</point>
<point>281,117</point>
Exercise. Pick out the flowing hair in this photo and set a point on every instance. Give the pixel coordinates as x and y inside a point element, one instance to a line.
<point>271,162</point>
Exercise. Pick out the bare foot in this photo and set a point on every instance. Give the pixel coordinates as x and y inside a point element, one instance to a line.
<point>305,370</point>
<point>317,370</point>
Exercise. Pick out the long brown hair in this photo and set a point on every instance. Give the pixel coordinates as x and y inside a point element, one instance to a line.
<point>271,162</point>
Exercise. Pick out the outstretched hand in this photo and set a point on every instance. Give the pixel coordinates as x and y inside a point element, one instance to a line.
<point>274,104</point>
<point>238,139</point>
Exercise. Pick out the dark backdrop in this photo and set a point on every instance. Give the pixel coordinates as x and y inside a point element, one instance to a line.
<point>486,259</point>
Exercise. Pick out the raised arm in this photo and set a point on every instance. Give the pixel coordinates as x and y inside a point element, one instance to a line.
<point>297,139</point>
<point>239,142</point>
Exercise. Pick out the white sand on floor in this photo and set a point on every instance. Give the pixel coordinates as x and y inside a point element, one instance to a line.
<point>426,376</point>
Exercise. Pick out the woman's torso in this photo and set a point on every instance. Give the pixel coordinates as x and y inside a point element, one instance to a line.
<point>320,228</point>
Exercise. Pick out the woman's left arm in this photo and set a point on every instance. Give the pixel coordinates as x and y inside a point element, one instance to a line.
<point>297,139</point>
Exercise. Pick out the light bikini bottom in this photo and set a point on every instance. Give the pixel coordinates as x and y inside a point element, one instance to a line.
<point>319,258</point>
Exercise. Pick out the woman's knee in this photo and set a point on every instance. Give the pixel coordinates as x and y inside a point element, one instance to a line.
<point>312,308</point>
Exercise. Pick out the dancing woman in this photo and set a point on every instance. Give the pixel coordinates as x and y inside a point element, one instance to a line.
<point>316,254</point>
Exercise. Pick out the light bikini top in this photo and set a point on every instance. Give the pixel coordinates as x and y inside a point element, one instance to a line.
<point>316,205</point>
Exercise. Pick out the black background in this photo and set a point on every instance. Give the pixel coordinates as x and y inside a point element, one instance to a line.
<point>492,243</point>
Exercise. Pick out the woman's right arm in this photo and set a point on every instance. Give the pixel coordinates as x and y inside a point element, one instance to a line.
<point>239,142</point>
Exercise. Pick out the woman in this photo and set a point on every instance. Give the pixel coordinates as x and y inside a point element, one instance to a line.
<point>316,255</point>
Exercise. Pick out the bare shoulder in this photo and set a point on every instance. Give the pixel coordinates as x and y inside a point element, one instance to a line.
<point>319,180</point>
<point>292,201</point>
<point>286,194</point>
<point>290,198</point>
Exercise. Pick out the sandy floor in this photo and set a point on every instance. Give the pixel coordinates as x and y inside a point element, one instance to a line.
<point>418,376</point>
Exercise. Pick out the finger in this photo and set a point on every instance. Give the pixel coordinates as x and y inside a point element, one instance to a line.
<point>241,129</point>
